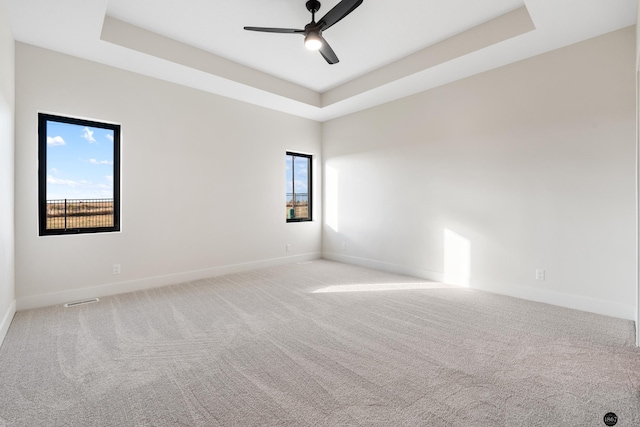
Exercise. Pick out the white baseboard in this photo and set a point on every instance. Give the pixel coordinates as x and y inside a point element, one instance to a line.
<point>54,298</point>
<point>593,305</point>
<point>6,321</point>
<point>577,302</point>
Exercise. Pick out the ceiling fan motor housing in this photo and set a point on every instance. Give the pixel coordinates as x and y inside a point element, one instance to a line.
<point>312,27</point>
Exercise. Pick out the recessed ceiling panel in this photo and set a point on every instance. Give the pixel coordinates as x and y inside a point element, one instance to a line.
<point>375,34</point>
<point>387,49</point>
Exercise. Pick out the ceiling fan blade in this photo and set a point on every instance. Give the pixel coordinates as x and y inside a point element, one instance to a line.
<point>340,10</point>
<point>275,30</point>
<point>327,53</point>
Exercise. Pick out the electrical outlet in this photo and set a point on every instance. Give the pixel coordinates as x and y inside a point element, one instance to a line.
<point>344,246</point>
<point>540,274</point>
<point>116,268</point>
<point>288,247</point>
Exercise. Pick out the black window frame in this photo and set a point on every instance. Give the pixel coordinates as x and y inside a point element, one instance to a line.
<point>43,118</point>
<point>309,157</point>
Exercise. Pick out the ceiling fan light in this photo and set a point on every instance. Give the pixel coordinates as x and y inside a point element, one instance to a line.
<point>312,41</point>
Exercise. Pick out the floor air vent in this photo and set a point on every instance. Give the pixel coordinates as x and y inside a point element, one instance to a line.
<point>83,302</point>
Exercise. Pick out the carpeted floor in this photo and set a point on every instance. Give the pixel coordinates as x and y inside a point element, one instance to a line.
<point>317,344</point>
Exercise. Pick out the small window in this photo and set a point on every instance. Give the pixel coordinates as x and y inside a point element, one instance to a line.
<point>298,187</point>
<point>78,175</point>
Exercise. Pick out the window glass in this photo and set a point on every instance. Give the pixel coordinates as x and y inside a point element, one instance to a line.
<point>298,187</point>
<point>79,175</point>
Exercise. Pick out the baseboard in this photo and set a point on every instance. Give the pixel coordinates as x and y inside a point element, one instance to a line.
<point>592,305</point>
<point>54,298</point>
<point>6,321</point>
<point>577,302</point>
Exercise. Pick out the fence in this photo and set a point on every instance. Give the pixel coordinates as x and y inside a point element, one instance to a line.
<point>79,213</point>
<point>297,205</point>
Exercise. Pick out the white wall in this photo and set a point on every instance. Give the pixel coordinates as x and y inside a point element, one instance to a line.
<point>203,183</point>
<point>7,302</point>
<point>637,35</point>
<point>530,166</point>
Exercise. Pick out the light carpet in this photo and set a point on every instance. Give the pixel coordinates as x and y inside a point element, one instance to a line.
<point>317,344</point>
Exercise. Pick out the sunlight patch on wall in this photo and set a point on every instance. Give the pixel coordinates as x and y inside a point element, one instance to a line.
<point>331,197</point>
<point>457,259</point>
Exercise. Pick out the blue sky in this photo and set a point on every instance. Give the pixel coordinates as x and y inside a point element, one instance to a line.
<point>301,172</point>
<point>79,162</point>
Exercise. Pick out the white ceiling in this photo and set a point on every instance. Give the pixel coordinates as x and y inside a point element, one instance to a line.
<point>387,49</point>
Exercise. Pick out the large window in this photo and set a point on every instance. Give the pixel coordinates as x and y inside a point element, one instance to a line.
<point>79,175</point>
<point>298,187</point>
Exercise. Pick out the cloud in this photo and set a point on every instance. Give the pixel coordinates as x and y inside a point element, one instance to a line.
<point>109,178</point>
<point>53,180</point>
<point>53,170</point>
<point>56,140</point>
<point>88,135</point>
<point>301,186</point>
<point>100,162</point>
<point>83,189</point>
<point>109,137</point>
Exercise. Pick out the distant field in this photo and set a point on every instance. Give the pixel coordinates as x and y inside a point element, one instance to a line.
<point>79,214</point>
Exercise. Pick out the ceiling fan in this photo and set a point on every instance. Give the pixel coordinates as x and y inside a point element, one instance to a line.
<point>313,30</point>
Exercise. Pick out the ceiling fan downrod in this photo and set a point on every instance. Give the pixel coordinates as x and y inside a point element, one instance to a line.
<point>313,6</point>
